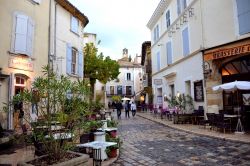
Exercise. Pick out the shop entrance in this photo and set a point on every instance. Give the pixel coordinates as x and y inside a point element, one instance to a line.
<point>19,85</point>
<point>237,69</point>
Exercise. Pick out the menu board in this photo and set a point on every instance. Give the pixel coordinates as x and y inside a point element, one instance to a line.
<point>198,91</point>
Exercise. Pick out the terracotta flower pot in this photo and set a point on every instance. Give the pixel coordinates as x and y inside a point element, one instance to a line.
<point>112,153</point>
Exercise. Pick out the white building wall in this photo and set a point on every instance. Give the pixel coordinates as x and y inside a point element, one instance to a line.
<point>213,23</point>
<point>187,68</point>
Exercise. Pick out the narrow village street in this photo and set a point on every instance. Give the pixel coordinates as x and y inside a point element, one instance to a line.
<point>149,143</point>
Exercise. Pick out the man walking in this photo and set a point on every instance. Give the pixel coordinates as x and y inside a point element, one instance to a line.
<point>118,109</point>
<point>127,108</point>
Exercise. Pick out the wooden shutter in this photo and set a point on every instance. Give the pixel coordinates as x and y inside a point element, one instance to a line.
<point>185,41</point>
<point>69,58</point>
<point>178,7</point>
<point>80,64</point>
<point>20,42</point>
<point>30,36</point>
<point>169,53</point>
<point>243,8</point>
<point>74,24</point>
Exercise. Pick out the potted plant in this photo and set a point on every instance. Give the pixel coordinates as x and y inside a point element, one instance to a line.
<point>61,105</point>
<point>112,150</point>
<point>112,124</point>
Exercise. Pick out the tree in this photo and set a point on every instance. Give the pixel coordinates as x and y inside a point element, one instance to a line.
<point>96,67</point>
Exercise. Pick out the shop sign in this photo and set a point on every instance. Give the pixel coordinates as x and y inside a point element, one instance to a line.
<point>21,63</point>
<point>222,53</point>
<point>158,81</point>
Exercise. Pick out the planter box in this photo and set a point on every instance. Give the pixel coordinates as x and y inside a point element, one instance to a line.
<point>81,160</point>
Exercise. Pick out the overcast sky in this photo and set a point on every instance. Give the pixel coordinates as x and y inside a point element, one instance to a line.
<point>118,23</point>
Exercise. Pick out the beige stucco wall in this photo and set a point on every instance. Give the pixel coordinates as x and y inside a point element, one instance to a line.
<point>40,15</point>
<point>63,36</point>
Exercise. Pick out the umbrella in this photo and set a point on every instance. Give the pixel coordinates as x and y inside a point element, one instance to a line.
<point>231,86</point>
<point>126,98</point>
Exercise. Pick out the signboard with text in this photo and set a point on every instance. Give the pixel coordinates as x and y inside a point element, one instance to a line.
<point>21,63</point>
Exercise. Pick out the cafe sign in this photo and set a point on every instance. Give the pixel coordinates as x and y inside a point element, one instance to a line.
<point>222,53</point>
<point>21,63</point>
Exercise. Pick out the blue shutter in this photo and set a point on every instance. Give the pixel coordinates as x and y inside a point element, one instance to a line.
<point>178,7</point>
<point>185,41</point>
<point>69,58</point>
<point>158,61</point>
<point>184,4</point>
<point>74,24</point>
<point>169,53</point>
<point>20,42</point>
<point>80,65</point>
<point>243,8</point>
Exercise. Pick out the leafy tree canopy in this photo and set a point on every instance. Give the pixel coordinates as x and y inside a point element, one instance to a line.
<point>98,67</point>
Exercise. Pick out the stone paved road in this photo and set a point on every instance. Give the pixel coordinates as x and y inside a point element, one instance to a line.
<point>149,143</point>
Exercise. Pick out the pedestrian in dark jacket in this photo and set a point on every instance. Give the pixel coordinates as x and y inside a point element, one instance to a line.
<point>118,109</point>
<point>127,108</point>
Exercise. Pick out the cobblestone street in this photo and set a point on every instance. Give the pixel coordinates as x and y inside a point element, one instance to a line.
<point>149,143</point>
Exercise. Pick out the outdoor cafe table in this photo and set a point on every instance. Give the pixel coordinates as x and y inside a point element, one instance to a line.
<point>234,118</point>
<point>98,145</point>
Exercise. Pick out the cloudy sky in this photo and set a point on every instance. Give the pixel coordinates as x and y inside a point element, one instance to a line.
<point>118,23</point>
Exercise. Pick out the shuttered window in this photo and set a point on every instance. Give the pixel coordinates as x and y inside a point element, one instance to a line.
<point>168,19</point>
<point>185,41</point>
<point>243,9</point>
<point>181,6</point>
<point>23,35</point>
<point>74,64</point>
<point>169,53</point>
<point>74,24</point>
<point>156,33</point>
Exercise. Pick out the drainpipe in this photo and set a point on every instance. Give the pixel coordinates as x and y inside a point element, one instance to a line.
<point>55,28</point>
<point>202,39</point>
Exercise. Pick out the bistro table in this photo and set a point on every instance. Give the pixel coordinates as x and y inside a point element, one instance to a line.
<point>98,145</point>
<point>234,118</point>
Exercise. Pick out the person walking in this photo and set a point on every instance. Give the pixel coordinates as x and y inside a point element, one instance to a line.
<point>118,109</point>
<point>127,108</point>
<point>133,109</point>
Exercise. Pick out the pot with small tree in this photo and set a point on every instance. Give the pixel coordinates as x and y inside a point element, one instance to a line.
<point>61,106</point>
<point>112,150</point>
